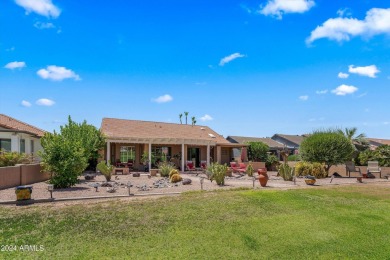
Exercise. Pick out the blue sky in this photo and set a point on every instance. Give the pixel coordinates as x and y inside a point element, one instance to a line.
<point>250,68</point>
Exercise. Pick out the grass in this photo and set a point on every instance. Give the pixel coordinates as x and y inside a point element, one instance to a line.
<point>347,222</point>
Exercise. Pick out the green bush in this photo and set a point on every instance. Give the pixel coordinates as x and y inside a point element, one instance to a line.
<point>328,147</point>
<point>12,158</point>
<point>380,154</point>
<point>307,168</point>
<point>217,172</point>
<point>250,170</point>
<point>257,151</point>
<point>286,172</point>
<point>105,169</point>
<point>294,158</point>
<point>165,168</point>
<point>271,162</point>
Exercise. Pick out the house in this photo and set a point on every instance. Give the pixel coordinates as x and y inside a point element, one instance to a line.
<point>290,142</point>
<point>17,136</point>
<point>375,142</point>
<point>274,146</point>
<point>131,139</point>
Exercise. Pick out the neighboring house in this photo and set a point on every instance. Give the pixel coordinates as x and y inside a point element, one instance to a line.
<point>375,142</point>
<point>290,142</point>
<point>274,146</point>
<point>17,136</point>
<point>130,139</point>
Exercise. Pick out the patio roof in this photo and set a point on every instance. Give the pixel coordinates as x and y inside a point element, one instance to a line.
<point>268,141</point>
<point>136,131</point>
<point>12,124</point>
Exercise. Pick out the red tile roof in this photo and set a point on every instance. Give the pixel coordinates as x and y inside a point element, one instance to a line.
<point>14,124</point>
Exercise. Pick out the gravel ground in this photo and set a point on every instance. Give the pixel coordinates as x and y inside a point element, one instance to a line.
<point>84,188</point>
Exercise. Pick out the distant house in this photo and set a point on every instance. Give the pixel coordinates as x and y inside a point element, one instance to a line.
<point>17,136</point>
<point>274,146</point>
<point>375,142</point>
<point>291,142</point>
<point>130,139</point>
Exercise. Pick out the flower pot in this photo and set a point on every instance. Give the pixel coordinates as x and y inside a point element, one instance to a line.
<point>23,192</point>
<point>263,177</point>
<point>310,181</point>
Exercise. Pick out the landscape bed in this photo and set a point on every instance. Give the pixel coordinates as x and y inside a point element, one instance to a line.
<point>326,222</point>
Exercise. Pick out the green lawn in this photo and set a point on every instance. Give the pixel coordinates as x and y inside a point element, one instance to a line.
<point>347,222</point>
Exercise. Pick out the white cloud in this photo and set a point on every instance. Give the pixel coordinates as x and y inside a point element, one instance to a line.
<point>342,75</point>
<point>41,7</point>
<point>26,103</point>
<point>56,73</point>
<point>369,71</point>
<point>386,123</point>
<point>377,21</point>
<point>163,99</point>
<point>229,58</point>
<point>279,7</point>
<point>304,98</point>
<point>41,25</point>
<point>343,90</point>
<point>45,102</point>
<point>15,65</point>
<point>206,117</point>
<point>344,12</point>
<point>321,92</point>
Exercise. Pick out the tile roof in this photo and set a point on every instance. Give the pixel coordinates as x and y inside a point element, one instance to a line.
<point>121,128</point>
<point>14,124</point>
<point>268,141</point>
<point>378,142</point>
<point>296,139</point>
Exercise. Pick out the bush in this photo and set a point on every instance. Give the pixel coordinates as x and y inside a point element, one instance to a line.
<point>328,147</point>
<point>380,154</point>
<point>105,169</point>
<point>250,170</point>
<point>271,162</point>
<point>12,158</point>
<point>165,168</point>
<point>257,151</point>
<point>286,172</point>
<point>306,168</point>
<point>294,158</point>
<point>176,178</point>
<point>217,172</point>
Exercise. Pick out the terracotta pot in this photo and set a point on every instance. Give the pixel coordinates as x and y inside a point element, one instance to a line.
<point>310,181</point>
<point>263,176</point>
<point>359,179</point>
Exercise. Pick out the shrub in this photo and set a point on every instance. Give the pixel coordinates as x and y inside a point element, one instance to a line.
<point>217,172</point>
<point>294,158</point>
<point>175,178</point>
<point>249,169</point>
<point>271,162</point>
<point>105,169</point>
<point>306,168</point>
<point>328,147</point>
<point>380,154</point>
<point>286,172</point>
<point>257,151</point>
<point>12,158</point>
<point>165,168</point>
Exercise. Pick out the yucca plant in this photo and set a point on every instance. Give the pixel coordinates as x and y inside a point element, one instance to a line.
<point>217,173</point>
<point>105,169</point>
<point>286,172</point>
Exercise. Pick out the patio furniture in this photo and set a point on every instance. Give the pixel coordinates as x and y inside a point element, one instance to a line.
<point>241,168</point>
<point>373,167</point>
<point>203,165</point>
<point>234,166</point>
<point>350,167</point>
<point>129,164</point>
<point>190,166</point>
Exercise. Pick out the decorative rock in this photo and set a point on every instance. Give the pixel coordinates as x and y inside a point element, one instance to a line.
<point>89,177</point>
<point>111,189</point>
<point>106,184</point>
<point>136,174</point>
<point>187,181</point>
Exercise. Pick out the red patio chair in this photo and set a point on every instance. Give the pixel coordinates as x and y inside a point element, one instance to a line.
<point>203,165</point>
<point>190,166</point>
<point>234,166</point>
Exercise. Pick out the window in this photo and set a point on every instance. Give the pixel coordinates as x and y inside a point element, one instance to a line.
<point>127,153</point>
<point>32,146</point>
<point>160,152</point>
<point>22,146</point>
<point>5,144</point>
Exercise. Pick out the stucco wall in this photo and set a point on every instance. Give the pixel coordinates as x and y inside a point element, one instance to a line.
<point>21,175</point>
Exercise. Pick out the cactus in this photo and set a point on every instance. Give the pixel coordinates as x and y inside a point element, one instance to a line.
<point>176,178</point>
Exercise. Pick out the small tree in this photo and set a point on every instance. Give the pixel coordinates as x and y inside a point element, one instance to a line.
<point>329,147</point>
<point>180,116</point>
<point>257,151</point>
<point>105,169</point>
<point>186,114</point>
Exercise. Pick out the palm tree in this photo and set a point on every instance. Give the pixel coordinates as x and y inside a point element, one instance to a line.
<point>186,114</point>
<point>180,116</point>
<point>193,120</point>
<point>360,141</point>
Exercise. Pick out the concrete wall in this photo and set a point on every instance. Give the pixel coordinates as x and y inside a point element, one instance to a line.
<point>21,175</point>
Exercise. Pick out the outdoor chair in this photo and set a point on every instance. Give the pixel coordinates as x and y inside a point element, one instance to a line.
<point>130,163</point>
<point>350,167</point>
<point>203,165</point>
<point>190,166</point>
<point>373,167</point>
<point>241,168</point>
<point>234,166</point>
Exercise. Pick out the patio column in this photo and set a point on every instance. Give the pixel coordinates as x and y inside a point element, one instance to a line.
<point>108,152</point>
<point>150,156</point>
<point>208,155</point>
<point>182,157</point>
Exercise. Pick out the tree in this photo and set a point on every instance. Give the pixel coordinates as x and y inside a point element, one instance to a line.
<point>66,154</point>
<point>186,114</point>
<point>359,142</point>
<point>257,151</point>
<point>180,116</point>
<point>329,147</point>
<point>380,154</point>
<point>193,120</point>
